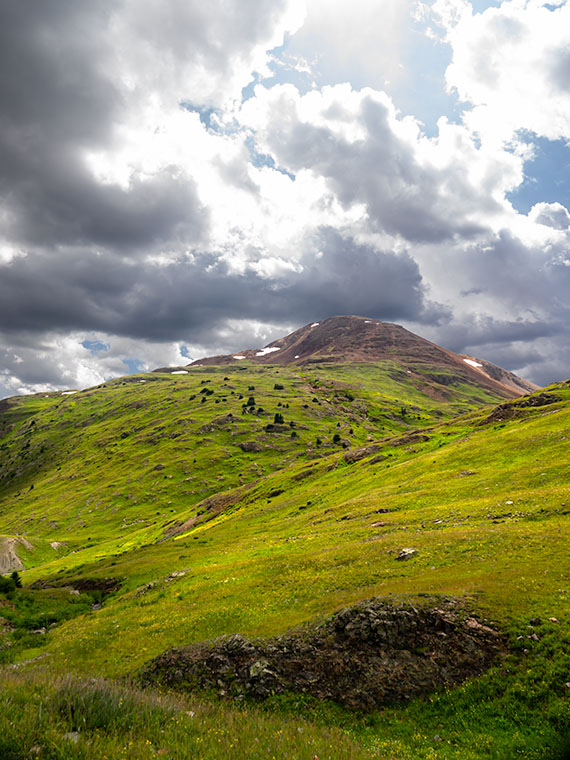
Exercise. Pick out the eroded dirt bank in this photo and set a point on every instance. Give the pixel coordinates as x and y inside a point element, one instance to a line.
<point>362,657</point>
<point>9,559</point>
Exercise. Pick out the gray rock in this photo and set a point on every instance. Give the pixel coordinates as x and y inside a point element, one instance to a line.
<point>250,446</point>
<point>406,553</point>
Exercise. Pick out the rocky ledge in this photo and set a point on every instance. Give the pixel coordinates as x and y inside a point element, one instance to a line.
<point>362,657</point>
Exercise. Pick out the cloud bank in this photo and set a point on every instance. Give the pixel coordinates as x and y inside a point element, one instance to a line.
<point>180,178</point>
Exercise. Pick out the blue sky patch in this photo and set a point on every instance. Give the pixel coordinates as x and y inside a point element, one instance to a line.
<point>546,175</point>
<point>263,159</point>
<point>95,346</point>
<point>133,365</point>
<point>479,6</point>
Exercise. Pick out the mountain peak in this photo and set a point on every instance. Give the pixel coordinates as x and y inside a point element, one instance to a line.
<point>355,339</point>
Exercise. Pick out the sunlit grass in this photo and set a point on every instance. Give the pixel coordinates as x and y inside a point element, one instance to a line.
<point>486,505</point>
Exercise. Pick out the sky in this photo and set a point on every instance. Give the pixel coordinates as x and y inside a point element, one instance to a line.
<point>180,179</point>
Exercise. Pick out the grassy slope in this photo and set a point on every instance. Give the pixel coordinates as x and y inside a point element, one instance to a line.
<point>485,503</point>
<point>118,462</point>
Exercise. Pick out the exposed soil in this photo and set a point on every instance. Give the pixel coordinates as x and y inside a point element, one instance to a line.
<point>363,657</point>
<point>209,508</point>
<point>105,585</point>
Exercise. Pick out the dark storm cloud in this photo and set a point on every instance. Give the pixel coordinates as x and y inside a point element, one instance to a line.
<point>62,207</point>
<point>523,279</point>
<point>529,285</point>
<point>71,74</point>
<point>189,299</point>
<point>52,88</point>
<point>58,100</point>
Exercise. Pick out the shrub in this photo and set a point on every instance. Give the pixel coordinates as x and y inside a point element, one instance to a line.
<point>278,419</point>
<point>277,387</point>
<point>7,585</point>
<point>336,438</point>
<point>16,578</point>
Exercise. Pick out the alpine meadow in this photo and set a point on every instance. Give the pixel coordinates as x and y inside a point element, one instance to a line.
<point>349,544</point>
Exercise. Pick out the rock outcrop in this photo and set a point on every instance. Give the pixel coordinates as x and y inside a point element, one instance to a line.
<point>364,656</point>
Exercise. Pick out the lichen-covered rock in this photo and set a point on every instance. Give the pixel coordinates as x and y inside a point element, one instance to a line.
<point>362,657</point>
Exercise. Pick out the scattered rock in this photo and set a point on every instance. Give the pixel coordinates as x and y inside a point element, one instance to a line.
<point>145,589</point>
<point>514,409</point>
<point>355,455</point>
<point>406,553</point>
<point>227,422</point>
<point>406,440</point>
<point>250,446</point>
<point>72,736</point>
<point>476,625</point>
<point>176,574</point>
<point>304,474</point>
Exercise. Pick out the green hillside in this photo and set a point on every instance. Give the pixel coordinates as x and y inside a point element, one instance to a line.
<point>160,510</point>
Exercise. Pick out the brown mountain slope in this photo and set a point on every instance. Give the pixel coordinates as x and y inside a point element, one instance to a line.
<point>341,340</point>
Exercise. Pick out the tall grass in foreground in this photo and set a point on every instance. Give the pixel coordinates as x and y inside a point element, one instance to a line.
<point>97,719</point>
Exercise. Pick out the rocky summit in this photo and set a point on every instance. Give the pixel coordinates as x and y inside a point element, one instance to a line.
<point>341,340</point>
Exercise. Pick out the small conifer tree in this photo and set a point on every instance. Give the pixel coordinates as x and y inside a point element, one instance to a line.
<point>16,578</point>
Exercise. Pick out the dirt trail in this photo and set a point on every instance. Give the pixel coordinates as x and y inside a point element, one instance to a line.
<point>9,560</point>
